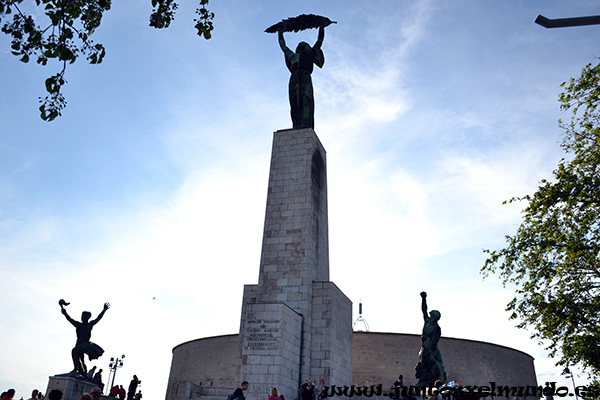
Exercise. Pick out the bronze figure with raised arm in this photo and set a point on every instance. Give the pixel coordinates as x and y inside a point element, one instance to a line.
<point>84,333</point>
<point>430,367</point>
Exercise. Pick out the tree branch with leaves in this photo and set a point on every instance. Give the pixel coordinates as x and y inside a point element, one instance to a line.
<point>554,257</point>
<point>65,36</point>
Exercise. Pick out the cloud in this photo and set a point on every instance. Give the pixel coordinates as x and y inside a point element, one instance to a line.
<point>362,88</point>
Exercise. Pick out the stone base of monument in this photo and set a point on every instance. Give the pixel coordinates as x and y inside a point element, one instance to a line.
<point>269,348</point>
<point>70,386</point>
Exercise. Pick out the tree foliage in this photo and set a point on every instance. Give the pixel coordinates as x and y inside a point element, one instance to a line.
<point>65,33</point>
<point>554,257</point>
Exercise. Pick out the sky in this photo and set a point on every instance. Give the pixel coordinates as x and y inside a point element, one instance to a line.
<point>149,192</point>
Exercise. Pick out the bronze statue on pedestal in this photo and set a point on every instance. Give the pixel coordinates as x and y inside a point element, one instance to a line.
<point>300,63</point>
<point>84,333</point>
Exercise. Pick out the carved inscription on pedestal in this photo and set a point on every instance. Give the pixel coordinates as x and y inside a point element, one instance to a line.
<point>261,334</point>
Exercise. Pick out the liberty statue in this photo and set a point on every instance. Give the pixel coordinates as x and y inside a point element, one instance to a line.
<point>300,63</point>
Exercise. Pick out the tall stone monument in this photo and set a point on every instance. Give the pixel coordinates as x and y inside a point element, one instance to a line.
<point>295,323</point>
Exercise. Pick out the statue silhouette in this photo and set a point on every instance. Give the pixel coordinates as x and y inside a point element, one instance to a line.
<point>84,333</point>
<point>430,367</point>
<point>300,63</point>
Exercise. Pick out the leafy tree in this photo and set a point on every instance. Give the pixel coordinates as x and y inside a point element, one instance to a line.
<point>592,392</point>
<point>65,36</point>
<point>554,258</point>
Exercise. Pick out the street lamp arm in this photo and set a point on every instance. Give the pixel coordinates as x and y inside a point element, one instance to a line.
<point>567,22</point>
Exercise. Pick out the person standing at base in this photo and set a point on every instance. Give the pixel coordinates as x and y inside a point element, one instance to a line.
<point>96,393</point>
<point>398,388</point>
<point>548,392</point>
<point>438,385</point>
<point>55,394</point>
<point>97,379</point>
<point>321,394</point>
<point>114,391</point>
<point>85,396</point>
<point>274,394</point>
<point>307,390</point>
<point>34,394</point>
<point>133,387</point>
<point>122,392</point>
<point>239,392</point>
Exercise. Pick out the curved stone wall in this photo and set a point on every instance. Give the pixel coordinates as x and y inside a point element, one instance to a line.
<point>381,357</point>
<point>206,367</point>
<point>203,366</point>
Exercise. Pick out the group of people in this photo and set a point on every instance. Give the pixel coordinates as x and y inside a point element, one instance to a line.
<point>307,392</point>
<point>403,392</point>
<point>94,394</point>
<point>118,391</point>
<point>96,377</point>
<point>35,395</point>
<point>10,394</point>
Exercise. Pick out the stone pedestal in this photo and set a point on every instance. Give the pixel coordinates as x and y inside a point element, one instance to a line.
<point>270,346</point>
<point>331,338</point>
<point>295,324</point>
<point>71,387</point>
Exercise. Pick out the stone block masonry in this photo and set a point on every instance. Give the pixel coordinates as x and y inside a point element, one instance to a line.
<point>72,388</point>
<point>295,248</point>
<point>331,334</point>
<point>269,348</point>
<point>294,307</point>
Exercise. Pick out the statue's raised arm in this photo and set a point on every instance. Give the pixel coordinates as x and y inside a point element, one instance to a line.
<point>424,305</point>
<point>320,39</point>
<point>106,307</point>
<point>282,44</point>
<point>62,305</point>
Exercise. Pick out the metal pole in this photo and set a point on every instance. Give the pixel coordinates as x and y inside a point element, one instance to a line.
<point>108,379</point>
<point>573,380</point>
<point>568,372</point>
<point>116,364</point>
<point>567,22</point>
<point>114,374</point>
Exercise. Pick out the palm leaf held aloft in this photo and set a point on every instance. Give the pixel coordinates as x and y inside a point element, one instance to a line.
<point>300,23</point>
